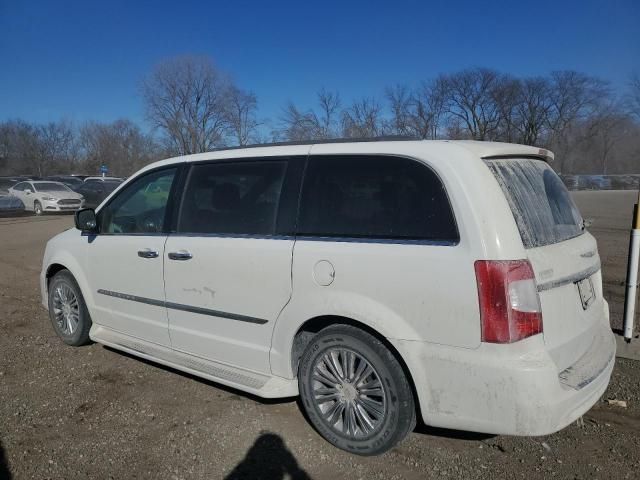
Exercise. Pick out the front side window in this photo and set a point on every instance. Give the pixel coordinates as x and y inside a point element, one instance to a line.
<point>20,186</point>
<point>139,208</point>
<point>375,197</point>
<point>232,198</point>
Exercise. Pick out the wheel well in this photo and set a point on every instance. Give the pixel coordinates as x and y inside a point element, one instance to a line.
<point>53,269</point>
<point>311,327</point>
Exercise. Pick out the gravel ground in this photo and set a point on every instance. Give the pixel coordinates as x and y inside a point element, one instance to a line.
<point>92,412</point>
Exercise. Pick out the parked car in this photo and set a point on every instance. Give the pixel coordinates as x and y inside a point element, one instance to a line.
<point>44,196</point>
<point>103,179</point>
<point>69,180</point>
<point>95,192</point>
<point>10,206</point>
<point>8,182</point>
<point>380,281</point>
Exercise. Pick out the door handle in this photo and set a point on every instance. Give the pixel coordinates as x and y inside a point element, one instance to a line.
<point>180,255</point>
<point>147,253</point>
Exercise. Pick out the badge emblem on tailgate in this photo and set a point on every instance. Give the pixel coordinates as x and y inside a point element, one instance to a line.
<point>587,294</point>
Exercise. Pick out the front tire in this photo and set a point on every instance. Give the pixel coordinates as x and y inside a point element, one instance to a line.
<point>355,391</point>
<point>37,208</point>
<point>67,310</point>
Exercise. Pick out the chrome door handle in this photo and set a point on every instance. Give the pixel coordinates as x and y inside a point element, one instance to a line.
<point>180,255</point>
<point>147,253</point>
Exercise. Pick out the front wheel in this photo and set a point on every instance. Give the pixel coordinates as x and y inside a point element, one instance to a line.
<point>355,391</point>
<point>37,208</point>
<point>67,310</point>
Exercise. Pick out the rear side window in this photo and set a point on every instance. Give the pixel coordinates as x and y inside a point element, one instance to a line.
<point>378,197</point>
<point>540,202</point>
<point>232,198</point>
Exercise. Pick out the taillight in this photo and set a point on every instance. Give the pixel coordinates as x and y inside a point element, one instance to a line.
<point>509,303</point>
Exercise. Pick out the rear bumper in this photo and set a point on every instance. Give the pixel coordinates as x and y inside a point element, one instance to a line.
<point>504,389</point>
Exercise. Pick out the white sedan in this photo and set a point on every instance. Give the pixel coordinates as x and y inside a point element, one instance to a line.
<point>44,196</point>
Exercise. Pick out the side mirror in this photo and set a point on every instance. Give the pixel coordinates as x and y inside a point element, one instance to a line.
<point>27,191</point>
<point>86,220</point>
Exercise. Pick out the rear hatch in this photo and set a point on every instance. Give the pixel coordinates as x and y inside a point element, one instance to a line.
<point>563,255</point>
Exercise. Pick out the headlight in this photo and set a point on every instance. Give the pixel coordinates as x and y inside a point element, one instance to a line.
<point>49,199</point>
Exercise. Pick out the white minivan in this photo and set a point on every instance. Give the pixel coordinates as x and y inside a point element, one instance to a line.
<point>384,281</point>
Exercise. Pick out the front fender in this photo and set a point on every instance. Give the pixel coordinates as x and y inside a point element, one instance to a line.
<point>68,250</point>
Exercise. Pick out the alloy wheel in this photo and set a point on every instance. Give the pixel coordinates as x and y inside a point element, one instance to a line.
<point>348,393</point>
<point>66,309</point>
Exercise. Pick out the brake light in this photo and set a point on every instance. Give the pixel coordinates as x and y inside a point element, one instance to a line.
<point>509,302</point>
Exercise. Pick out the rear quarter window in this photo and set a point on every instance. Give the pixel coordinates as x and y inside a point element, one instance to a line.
<point>375,197</point>
<point>541,204</point>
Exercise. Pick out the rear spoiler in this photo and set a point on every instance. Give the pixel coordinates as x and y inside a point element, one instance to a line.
<point>542,154</point>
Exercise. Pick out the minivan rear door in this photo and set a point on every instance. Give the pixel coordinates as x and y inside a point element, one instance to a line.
<point>564,256</point>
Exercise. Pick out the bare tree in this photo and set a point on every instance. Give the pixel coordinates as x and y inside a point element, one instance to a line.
<point>533,107</point>
<point>120,145</point>
<point>298,125</point>
<point>471,99</point>
<point>241,108</point>
<point>633,97</point>
<point>57,147</point>
<point>429,107</point>
<point>508,95</point>
<point>401,104</point>
<point>21,148</point>
<point>185,97</point>
<point>574,97</point>
<point>329,103</point>
<point>363,119</point>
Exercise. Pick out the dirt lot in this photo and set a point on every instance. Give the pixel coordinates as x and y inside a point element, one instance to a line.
<point>92,412</point>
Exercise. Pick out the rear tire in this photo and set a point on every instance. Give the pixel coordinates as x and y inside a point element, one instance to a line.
<point>37,208</point>
<point>355,391</point>
<point>67,310</point>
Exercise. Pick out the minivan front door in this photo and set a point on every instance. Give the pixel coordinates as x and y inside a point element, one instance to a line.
<point>125,260</point>
<point>227,270</point>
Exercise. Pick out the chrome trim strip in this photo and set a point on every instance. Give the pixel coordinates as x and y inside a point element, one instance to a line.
<point>399,241</point>
<point>575,278</point>
<point>182,307</point>
<point>249,236</point>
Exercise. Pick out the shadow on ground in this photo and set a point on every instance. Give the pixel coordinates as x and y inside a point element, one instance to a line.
<point>5,473</point>
<point>268,459</point>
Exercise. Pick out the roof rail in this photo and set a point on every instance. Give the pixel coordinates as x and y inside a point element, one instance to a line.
<point>385,138</point>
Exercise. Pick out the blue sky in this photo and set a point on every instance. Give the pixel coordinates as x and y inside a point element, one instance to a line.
<point>82,60</point>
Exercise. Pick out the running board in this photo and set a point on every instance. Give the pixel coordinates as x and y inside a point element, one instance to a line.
<point>256,383</point>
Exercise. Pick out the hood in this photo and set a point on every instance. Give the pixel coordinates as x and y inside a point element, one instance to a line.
<point>60,195</point>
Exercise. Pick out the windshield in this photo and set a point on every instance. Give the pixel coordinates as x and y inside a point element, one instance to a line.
<point>50,187</point>
<point>540,202</point>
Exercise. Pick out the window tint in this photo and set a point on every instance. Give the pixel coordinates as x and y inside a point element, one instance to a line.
<point>20,186</point>
<point>232,198</point>
<point>539,201</point>
<point>50,187</point>
<point>140,208</point>
<point>375,197</point>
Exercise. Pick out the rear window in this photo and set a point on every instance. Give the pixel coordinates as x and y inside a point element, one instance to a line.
<point>540,202</point>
